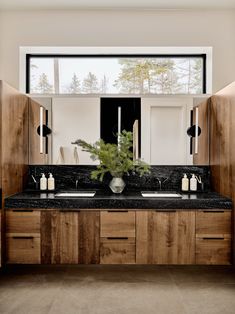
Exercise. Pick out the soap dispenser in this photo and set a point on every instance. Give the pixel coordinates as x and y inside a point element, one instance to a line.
<point>193,183</point>
<point>185,183</point>
<point>51,182</point>
<point>43,182</point>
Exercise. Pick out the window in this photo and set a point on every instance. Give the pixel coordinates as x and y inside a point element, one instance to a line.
<point>116,74</point>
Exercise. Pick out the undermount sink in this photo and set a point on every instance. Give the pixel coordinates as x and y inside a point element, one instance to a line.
<point>76,194</point>
<point>160,194</point>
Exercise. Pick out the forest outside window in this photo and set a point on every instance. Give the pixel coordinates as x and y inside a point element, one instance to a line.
<point>116,74</point>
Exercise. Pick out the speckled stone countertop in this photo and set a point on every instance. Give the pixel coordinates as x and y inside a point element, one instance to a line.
<point>127,200</point>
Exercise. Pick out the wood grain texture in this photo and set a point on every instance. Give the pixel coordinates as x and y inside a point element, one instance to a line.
<point>55,237</point>
<point>117,224</point>
<point>23,249</point>
<point>213,251</point>
<point>14,141</point>
<point>222,145</point>
<point>25,222</point>
<point>64,237</point>
<point>89,237</point>
<point>70,237</point>
<point>202,158</point>
<point>213,222</point>
<point>46,237</point>
<point>165,237</point>
<point>117,251</point>
<point>13,148</point>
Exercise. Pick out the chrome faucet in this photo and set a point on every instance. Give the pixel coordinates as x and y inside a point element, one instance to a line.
<point>35,181</point>
<point>161,180</point>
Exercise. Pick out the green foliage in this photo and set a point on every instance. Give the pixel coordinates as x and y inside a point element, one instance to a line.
<point>149,75</point>
<point>117,160</point>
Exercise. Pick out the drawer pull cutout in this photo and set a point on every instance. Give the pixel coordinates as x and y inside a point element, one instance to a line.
<point>22,210</point>
<point>213,211</point>
<point>213,238</point>
<point>117,211</point>
<point>23,237</point>
<point>117,238</point>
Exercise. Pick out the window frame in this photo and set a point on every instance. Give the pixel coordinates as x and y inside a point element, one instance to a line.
<point>26,53</point>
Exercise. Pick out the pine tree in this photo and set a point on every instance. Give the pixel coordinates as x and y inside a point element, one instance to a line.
<point>43,86</point>
<point>74,87</point>
<point>90,84</point>
<point>104,85</point>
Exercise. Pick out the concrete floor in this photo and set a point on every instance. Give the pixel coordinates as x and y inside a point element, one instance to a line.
<point>117,290</point>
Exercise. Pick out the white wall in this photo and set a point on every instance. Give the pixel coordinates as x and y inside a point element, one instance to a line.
<point>119,28</point>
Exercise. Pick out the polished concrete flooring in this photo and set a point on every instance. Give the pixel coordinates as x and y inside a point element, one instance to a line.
<point>118,290</point>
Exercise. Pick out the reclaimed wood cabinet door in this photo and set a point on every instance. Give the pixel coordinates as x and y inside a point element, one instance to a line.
<point>117,237</point>
<point>213,237</point>
<point>165,237</point>
<point>70,237</point>
<point>23,243</point>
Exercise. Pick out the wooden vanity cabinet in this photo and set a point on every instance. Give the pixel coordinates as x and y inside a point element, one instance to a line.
<point>70,237</point>
<point>213,237</point>
<point>165,237</point>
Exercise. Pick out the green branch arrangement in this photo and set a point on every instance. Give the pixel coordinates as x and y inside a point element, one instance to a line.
<point>115,159</point>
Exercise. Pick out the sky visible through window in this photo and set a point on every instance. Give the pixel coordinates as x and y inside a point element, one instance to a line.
<point>116,75</point>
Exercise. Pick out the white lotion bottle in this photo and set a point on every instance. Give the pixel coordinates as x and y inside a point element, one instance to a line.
<point>51,182</point>
<point>193,183</point>
<point>185,183</point>
<point>43,182</point>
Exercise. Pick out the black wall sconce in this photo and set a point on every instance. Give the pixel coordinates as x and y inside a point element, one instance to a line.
<point>45,131</point>
<point>193,131</point>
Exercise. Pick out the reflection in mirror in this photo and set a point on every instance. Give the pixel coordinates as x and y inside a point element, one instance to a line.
<point>162,122</point>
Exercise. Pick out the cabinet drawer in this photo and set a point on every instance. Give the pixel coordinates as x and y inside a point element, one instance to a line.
<point>213,222</point>
<point>117,224</point>
<point>23,249</point>
<point>22,221</point>
<point>213,250</point>
<point>117,251</point>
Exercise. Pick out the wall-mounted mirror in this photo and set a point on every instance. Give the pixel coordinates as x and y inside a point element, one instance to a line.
<point>162,127</point>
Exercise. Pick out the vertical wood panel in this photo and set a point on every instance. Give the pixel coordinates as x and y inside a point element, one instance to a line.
<point>46,239</point>
<point>89,237</point>
<point>55,237</point>
<point>14,145</point>
<point>69,238</point>
<point>165,238</point>
<point>14,126</point>
<point>142,237</point>
<point>186,237</point>
<point>222,145</point>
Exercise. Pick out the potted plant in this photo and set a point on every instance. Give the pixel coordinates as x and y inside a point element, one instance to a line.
<point>116,159</point>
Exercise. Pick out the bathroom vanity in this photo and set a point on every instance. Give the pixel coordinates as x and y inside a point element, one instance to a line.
<point>125,229</point>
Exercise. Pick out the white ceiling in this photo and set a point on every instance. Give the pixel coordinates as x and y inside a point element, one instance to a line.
<point>112,4</point>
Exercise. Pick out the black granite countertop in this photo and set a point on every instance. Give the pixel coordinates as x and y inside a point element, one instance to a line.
<point>127,200</point>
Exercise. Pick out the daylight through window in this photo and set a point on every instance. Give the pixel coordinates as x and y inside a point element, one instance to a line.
<point>48,74</point>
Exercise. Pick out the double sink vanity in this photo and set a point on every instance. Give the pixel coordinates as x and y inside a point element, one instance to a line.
<point>93,226</point>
